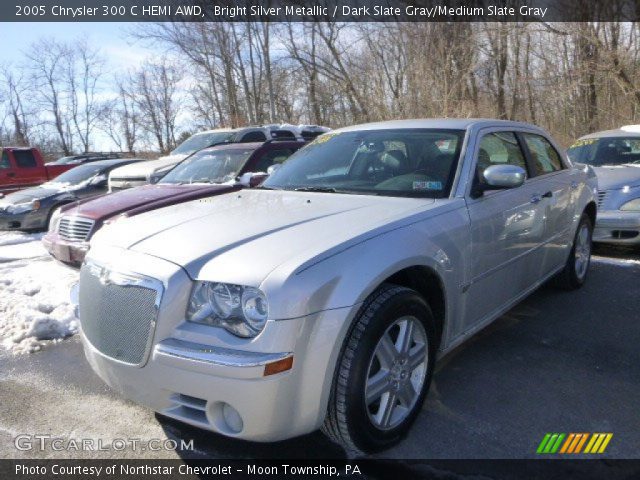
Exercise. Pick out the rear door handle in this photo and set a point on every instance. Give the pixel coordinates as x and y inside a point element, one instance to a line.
<point>574,184</point>
<point>549,194</point>
<point>11,174</point>
<point>536,198</point>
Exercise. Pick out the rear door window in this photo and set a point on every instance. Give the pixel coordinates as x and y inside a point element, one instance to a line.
<point>545,159</point>
<point>25,158</point>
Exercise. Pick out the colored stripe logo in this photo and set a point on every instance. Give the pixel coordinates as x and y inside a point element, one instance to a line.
<point>574,443</point>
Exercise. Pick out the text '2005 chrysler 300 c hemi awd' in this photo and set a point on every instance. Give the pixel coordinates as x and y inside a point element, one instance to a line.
<point>324,297</point>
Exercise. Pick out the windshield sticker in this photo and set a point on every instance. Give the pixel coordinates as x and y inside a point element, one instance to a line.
<point>584,141</point>
<point>424,185</point>
<point>325,137</point>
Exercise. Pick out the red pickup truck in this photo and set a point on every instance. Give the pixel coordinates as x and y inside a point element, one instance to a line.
<point>23,167</point>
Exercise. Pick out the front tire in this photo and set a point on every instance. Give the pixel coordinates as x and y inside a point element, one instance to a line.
<point>384,371</point>
<point>575,270</point>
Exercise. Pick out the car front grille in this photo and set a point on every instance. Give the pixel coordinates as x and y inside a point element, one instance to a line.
<point>602,196</point>
<point>75,229</point>
<point>118,312</point>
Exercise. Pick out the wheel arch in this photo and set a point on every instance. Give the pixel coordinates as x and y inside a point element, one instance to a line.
<point>429,285</point>
<point>591,210</point>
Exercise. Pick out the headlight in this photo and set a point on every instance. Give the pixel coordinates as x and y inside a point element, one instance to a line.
<point>631,206</point>
<point>31,206</point>
<point>55,220</point>
<point>240,310</point>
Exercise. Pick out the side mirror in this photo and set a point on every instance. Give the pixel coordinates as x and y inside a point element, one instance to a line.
<point>99,180</point>
<point>273,168</point>
<point>252,179</point>
<point>499,177</point>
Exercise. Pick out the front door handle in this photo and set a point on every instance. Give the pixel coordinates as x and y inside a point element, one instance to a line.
<point>574,184</point>
<point>549,194</point>
<point>536,198</point>
<point>11,174</point>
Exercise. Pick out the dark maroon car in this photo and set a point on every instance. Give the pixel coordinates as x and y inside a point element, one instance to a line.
<point>212,171</point>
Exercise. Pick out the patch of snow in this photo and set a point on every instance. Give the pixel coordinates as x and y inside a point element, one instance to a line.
<point>35,307</point>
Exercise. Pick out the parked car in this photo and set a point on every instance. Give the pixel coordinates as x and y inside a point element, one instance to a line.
<point>323,297</point>
<point>614,155</point>
<point>23,168</point>
<point>211,171</point>
<point>32,209</point>
<point>153,170</point>
<point>84,158</point>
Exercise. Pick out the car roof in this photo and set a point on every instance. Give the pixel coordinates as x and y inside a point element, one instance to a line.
<point>215,130</point>
<point>618,132</point>
<point>444,123</point>
<point>249,145</point>
<point>112,162</point>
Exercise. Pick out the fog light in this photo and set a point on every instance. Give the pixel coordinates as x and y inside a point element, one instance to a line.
<point>278,366</point>
<point>232,418</point>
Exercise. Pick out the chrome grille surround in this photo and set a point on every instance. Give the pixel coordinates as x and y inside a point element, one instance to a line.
<point>118,312</point>
<point>75,229</point>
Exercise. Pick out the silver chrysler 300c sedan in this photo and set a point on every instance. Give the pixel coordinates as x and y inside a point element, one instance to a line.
<point>324,297</point>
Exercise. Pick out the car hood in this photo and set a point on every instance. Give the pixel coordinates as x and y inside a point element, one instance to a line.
<point>144,169</point>
<point>251,232</point>
<point>35,193</point>
<point>610,178</point>
<point>118,202</point>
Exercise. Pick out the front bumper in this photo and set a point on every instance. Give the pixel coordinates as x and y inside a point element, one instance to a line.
<point>69,253</point>
<point>194,373</point>
<point>615,226</point>
<point>23,221</point>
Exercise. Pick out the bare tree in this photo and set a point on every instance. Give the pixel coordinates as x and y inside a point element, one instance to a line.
<point>156,95</point>
<point>84,72</point>
<point>15,91</point>
<point>47,59</point>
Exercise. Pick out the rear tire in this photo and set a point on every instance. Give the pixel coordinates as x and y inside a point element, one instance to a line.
<point>574,273</point>
<point>384,371</point>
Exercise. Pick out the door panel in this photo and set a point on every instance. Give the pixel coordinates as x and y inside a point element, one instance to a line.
<point>507,231</point>
<point>553,182</point>
<point>7,174</point>
<point>28,173</point>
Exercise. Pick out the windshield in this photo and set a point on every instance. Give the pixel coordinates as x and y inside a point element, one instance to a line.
<point>78,174</point>
<point>215,166</point>
<point>398,162</point>
<point>199,141</point>
<point>606,151</point>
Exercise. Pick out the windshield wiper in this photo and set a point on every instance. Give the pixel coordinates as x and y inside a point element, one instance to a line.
<point>316,189</point>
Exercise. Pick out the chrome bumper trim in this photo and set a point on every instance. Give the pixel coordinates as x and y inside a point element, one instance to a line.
<point>196,352</point>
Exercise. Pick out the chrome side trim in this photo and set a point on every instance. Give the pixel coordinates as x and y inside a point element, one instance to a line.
<point>197,352</point>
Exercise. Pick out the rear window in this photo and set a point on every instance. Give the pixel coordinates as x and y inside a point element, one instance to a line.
<point>605,151</point>
<point>24,158</point>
